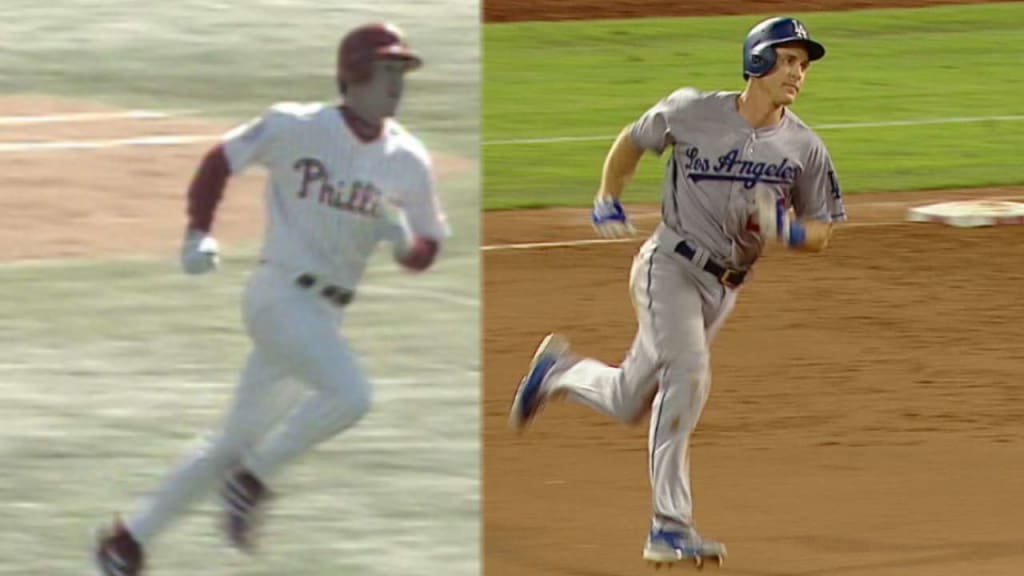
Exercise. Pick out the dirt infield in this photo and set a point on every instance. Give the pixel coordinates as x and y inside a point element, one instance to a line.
<point>72,202</point>
<point>524,10</point>
<point>866,412</point>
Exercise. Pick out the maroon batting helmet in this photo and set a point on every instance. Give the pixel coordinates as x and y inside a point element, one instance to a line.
<point>363,45</point>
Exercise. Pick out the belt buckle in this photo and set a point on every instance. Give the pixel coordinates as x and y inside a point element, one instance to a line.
<point>726,278</point>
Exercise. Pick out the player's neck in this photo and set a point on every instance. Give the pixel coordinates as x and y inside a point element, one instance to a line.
<point>366,129</point>
<point>758,109</point>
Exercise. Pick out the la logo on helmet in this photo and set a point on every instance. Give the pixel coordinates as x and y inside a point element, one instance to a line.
<point>799,30</point>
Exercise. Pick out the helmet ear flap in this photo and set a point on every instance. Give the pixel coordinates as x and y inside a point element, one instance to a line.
<point>762,60</point>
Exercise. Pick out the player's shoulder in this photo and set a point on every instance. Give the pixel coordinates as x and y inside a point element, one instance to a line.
<point>695,94</point>
<point>405,144</point>
<point>684,96</point>
<point>296,111</point>
<point>693,98</point>
<point>801,131</point>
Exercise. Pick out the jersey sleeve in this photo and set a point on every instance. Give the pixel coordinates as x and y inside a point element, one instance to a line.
<point>652,130</point>
<point>817,195</point>
<point>250,143</point>
<point>421,201</point>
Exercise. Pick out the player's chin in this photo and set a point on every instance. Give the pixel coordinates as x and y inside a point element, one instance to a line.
<point>389,109</point>
<point>787,98</point>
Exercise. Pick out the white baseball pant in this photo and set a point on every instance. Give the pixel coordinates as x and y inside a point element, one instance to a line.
<point>678,317</point>
<point>295,335</point>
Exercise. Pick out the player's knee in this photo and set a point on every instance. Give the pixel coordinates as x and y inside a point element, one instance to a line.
<point>638,412</point>
<point>358,402</point>
<point>688,366</point>
<point>349,404</point>
<point>684,390</point>
<point>222,452</point>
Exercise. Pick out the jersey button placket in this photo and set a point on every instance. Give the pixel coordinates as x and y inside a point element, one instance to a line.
<point>737,188</point>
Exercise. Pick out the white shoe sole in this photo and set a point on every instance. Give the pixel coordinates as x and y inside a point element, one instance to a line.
<point>666,556</point>
<point>552,345</point>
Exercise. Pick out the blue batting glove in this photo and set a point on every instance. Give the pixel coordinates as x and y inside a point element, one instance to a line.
<point>609,218</point>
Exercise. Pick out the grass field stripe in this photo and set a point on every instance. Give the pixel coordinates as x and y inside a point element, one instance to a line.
<point>372,289</point>
<point>551,140</point>
<point>168,140</point>
<point>838,126</point>
<point>379,267</point>
<point>920,122</point>
<point>413,292</point>
<point>86,117</point>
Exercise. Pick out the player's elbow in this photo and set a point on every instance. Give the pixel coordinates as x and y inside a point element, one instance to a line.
<point>421,255</point>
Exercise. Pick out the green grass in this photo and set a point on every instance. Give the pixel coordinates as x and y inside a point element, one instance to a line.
<point>591,78</point>
<point>232,58</point>
<point>112,369</point>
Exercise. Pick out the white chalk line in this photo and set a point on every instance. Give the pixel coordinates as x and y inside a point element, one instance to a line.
<point>640,237</point>
<point>180,139</point>
<point>167,140</point>
<point>835,126</point>
<point>559,244</point>
<point>73,117</point>
<point>657,214</point>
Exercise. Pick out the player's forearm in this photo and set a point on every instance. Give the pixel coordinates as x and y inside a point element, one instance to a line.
<point>207,189</point>
<point>620,165</point>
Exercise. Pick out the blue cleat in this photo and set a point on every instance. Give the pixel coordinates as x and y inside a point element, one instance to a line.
<point>664,547</point>
<point>530,394</point>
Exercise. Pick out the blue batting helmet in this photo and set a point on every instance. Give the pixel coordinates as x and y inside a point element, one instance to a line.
<point>759,47</point>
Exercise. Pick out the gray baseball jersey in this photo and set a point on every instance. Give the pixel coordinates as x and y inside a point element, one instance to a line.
<point>718,163</point>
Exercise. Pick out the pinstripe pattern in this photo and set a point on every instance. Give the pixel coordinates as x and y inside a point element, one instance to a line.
<point>650,273</point>
<point>657,425</point>
<point>677,223</point>
<point>650,311</point>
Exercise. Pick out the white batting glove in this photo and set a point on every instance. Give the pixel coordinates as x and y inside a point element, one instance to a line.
<point>772,217</point>
<point>395,225</point>
<point>200,252</point>
<point>609,218</point>
<point>777,225</point>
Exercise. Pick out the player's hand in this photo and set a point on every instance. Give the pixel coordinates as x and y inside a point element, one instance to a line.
<point>771,216</point>
<point>609,218</point>
<point>395,225</point>
<point>777,225</point>
<point>200,252</point>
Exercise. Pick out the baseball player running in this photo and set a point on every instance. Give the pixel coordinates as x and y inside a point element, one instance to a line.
<point>341,179</point>
<point>744,172</point>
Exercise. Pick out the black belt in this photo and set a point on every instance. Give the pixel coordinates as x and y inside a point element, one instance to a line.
<point>730,277</point>
<point>335,294</point>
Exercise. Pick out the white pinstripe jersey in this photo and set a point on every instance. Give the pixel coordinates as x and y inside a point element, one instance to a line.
<point>324,184</point>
